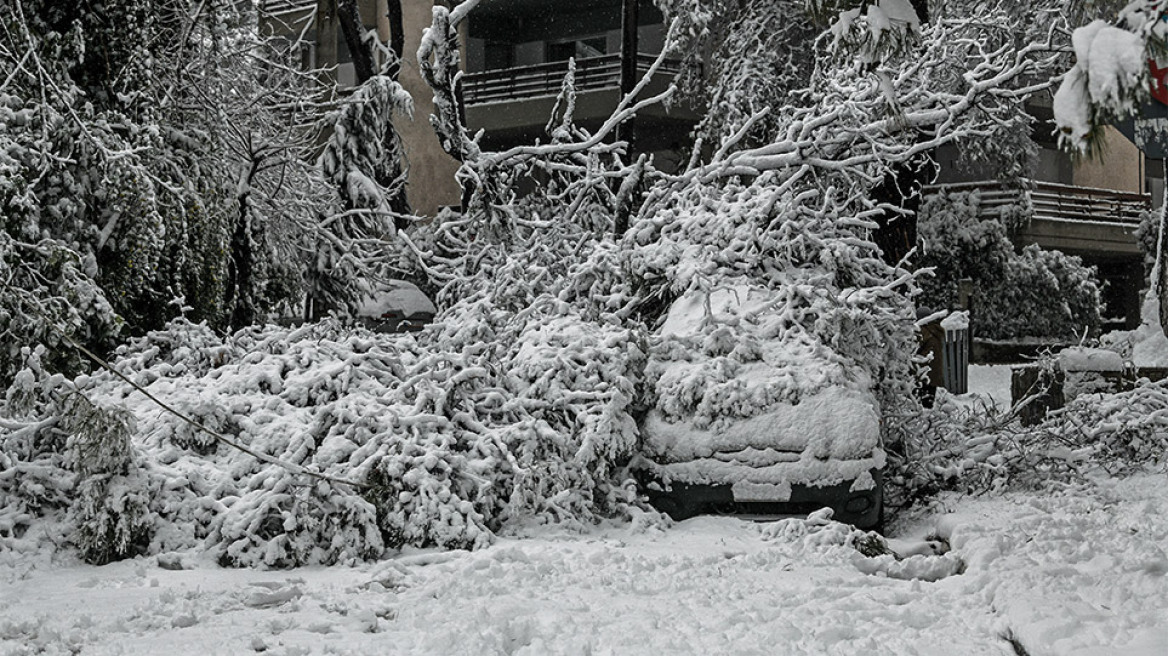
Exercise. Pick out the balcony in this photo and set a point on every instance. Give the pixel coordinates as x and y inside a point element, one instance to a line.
<point>512,105</point>
<point>1098,225</point>
<point>524,82</point>
<point>1094,223</point>
<point>1058,202</point>
<point>285,7</point>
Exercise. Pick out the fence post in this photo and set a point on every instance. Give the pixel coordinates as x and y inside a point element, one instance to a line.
<point>955,353</point>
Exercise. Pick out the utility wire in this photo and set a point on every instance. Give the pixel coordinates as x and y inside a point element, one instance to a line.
<point>291,467</point>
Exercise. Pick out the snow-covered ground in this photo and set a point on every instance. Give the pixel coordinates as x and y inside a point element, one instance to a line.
<point>991,382</point>
<point>1078,570</point>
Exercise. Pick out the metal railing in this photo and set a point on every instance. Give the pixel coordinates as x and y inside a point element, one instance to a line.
<point>521,82</point>
<point>1057,202</point>
<point>278,7</point>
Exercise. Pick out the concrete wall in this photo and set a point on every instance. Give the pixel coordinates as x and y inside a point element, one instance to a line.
<point>1120,168</point>
<point>431,171</point>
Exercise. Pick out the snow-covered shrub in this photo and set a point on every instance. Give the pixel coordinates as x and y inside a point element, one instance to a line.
<point>284,522</point>
<point>1032,293</point>
<point>1147,236</point>
<point>34,479</point>
<point>1046,293</point>
<point>110,506</point>
<point>67,459</point>
<point>580,383</point>
<point>420,443</point>
<point>957,242</point>
<point>955,446</point>
<point>439,488</point>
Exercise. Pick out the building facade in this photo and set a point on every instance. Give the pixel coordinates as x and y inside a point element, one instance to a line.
<point>516,54</point>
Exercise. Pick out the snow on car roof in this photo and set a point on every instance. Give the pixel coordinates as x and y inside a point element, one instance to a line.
<point>397,295</point>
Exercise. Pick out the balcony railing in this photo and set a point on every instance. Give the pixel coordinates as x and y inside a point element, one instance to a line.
<point>522,82</point>
<point>1057,202</point>
<point>278,7</point>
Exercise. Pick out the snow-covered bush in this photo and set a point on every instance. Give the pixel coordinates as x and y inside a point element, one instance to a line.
<point>1149,238</point>
<point>956,446</point>
<point>419,445</point>
<point>65,455</point>
<point>284,522</point>
<point>957,242</point>
<point>580,381</point>
<point>1061,297</point>
<point>34,480</point>
<point>1032,293</point>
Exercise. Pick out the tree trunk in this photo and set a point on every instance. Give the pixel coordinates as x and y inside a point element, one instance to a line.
<point>240,294</point>
<point>897,232</point>
<point>349,15</point>
<point>397,36</point>
<point>1159,280</point>
<point>1164,297</point>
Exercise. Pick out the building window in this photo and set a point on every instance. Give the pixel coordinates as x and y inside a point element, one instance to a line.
<point>498,55</point>
<point>579,48</point>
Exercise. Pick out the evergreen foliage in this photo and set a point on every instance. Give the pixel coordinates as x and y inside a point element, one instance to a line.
<point>1027,293</point>
<point>170,149</point>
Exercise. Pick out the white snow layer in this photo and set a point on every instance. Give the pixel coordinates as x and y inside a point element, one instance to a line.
<point>832,423</point>
<point>1077,572</point>
<point>956,321</point>
<point>828,437</point>
<point>399,296</point>
<point>1150,343</point>
<point>1082,358</point>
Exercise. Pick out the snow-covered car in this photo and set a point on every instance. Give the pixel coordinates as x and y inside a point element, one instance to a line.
<point>396,307</point>
<point>752,417</point>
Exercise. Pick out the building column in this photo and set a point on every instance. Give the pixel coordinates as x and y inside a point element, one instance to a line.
<point>630,21</point>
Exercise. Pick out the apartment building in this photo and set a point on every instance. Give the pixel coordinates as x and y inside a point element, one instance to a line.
<point>1089,207</point>
<point>515,55</point>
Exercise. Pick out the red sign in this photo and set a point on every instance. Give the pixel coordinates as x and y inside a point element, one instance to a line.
<point>1159,81</point>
